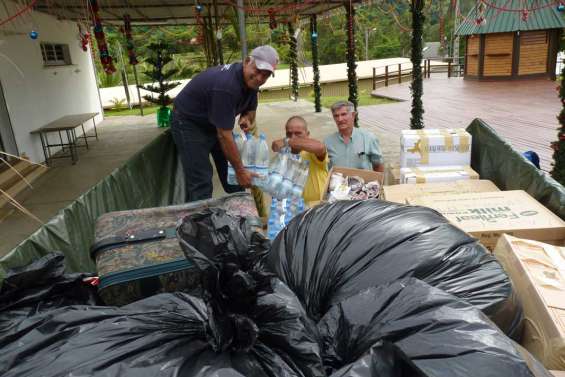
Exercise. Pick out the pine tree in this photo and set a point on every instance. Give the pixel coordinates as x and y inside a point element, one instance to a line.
<point>159,55</point>
<point>558,171</point>
<point>416,120</point>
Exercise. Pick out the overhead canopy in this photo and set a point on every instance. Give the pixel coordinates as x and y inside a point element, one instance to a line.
<point>501,16</point>
<point>183,12</point>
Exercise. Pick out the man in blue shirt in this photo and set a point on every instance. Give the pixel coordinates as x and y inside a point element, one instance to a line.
<point>204,116</point>
<point>352,147</point>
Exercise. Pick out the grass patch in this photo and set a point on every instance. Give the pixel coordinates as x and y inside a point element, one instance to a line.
<point>135,111</point>
<point>365,99</point>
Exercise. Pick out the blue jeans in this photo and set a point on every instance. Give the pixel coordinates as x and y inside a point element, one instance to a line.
<point>195,142</point>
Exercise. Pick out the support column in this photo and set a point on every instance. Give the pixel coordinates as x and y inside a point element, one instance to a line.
<point>293,56</point>
<point>315,63</point>
<point>242,35</point>
<point>351,65</point>
<point>416,119</point>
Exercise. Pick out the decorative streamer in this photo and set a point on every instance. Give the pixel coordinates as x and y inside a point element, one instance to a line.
<point>105,58</point>
<point>129,40</point>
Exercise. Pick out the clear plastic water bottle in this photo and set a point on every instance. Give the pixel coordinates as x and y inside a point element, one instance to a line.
<point>278,172</point>
<point>276,218</point>
<point>232,177</point>
<point>249,153</point>
<point>285,188</point>
<point>300,178</point>
<point>262,163</point>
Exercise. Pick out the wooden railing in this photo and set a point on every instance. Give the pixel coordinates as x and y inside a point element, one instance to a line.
<point>398,74</point>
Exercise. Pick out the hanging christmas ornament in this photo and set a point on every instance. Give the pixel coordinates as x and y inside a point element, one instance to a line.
<point>200,23</point>
<point>84,38</point>
<point>314,35</point>
<point>525,15</point>
<point>480,19</point>
<point>33,34</point>
<point>272,19</point>
<point>105,58</point>
<point>129,40</point>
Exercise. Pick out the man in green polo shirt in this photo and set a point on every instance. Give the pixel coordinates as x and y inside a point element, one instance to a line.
<point>352,147</point>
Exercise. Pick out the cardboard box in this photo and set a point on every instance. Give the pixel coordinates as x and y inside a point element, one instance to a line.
<point>435,147</point>
<point>402,193</point>
<point>392,175</point>
<point>367,175</point>
<point>537,271</point>
<point>428,174</point>
<point>487,215</point>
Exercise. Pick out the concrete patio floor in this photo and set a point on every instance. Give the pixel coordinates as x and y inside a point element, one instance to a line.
<point>120,138</point>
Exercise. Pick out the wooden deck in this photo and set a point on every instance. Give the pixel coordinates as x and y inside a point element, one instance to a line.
<point>522,112</point>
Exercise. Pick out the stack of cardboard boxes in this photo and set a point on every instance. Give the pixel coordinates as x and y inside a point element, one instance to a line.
<point>435,155</point>
<point>526,238</point>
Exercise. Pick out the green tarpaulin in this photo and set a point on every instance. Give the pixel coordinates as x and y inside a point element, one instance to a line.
<point>151,178</point>
<point>496,160</point>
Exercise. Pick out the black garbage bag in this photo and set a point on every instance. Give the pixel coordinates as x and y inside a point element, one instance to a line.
<point>384,359</point>
<point>334,251</point>
<point>441,334</point>
<point>42,286</point>
<point>175,334</point>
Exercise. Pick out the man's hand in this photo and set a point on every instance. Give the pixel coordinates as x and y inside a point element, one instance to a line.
<point>277,145</point>
<point>245,123</point>
<point>245,177</point>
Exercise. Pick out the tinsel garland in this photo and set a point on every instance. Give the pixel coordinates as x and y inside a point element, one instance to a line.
<point>293,57</point>
<point>558,170</point>
<point>351,66</point>
<point>417,112</point>
<point>315,66</point>
<point>129,40</point>
<point>105,58</point>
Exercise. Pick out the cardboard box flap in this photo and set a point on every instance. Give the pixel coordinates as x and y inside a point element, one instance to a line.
<point>403,192</point>
<point>545,264</point>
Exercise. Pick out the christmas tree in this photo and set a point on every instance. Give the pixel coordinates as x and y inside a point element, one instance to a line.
<point>159,55</point>
<point>558,171</point>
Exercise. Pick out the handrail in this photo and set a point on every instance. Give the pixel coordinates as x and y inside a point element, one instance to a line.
<point>427,70</point>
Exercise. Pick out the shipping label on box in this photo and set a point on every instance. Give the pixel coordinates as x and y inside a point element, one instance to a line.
<point>428,174</point>
<point>488,215</point>
<point>402,193</point>
<point>537,271</point>
<point>435,147</point>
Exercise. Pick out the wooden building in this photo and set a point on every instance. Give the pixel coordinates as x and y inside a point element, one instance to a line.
<point>511,44</point>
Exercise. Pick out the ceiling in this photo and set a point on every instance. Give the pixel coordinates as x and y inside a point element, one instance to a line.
<point>183,12</point>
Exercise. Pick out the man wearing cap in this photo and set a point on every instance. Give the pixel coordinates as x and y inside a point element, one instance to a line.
<point>204,117</point>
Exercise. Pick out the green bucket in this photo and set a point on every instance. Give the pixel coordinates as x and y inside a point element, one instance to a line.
<point>164,117</point>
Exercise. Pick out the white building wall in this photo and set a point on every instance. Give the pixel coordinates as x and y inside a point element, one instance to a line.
<point>36,95</point>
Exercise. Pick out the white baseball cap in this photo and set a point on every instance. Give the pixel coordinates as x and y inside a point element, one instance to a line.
<point>265,57</point>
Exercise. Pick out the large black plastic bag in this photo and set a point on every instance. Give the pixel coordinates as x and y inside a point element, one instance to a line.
<point>164,335</point>
<point>39,287</point>
<point>384,359</point>
<point>229,251</point>
<point>441,334</point>
<point>178,334</point>
<point>334,251</point>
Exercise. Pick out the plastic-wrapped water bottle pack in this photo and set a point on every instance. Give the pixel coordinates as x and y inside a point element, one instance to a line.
<point>282,177</point>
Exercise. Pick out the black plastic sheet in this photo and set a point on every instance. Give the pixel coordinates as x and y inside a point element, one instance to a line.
<point>334,251</point>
